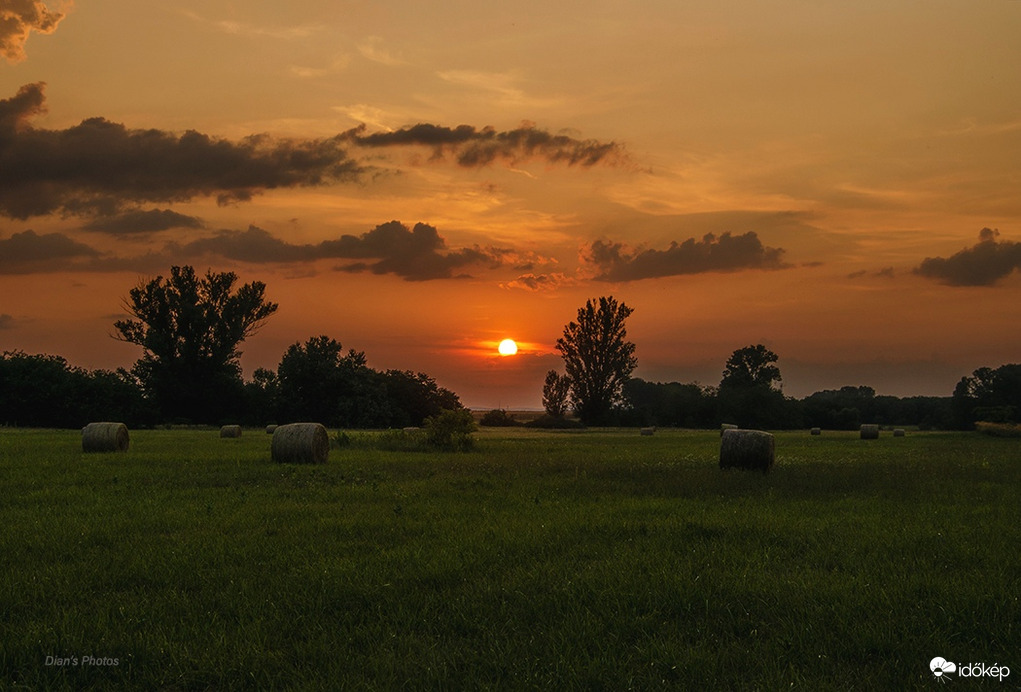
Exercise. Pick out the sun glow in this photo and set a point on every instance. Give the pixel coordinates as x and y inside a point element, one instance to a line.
<point>507,347</point>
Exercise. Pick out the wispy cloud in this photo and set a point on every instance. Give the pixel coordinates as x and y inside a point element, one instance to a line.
<point>471,147</point>
<point>238,28</point>
<point>138,221</point>
<point>540,282</point>
<point>371,48</point>
<point>19,18</point>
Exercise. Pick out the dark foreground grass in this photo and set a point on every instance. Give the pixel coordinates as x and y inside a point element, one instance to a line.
<point>597,560</point>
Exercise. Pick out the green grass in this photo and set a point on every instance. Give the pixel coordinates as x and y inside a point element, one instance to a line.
<point>566,560</point>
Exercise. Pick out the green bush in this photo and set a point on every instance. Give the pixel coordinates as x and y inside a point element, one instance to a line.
<point>452,430</point>
<point>498,418</point>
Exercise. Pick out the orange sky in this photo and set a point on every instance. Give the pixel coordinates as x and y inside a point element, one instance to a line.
<point>420,183</point>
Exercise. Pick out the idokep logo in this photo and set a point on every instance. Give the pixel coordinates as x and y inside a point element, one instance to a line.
<point>942,668</point>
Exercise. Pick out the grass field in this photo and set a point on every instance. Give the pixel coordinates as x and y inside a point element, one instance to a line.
<point>553,560</point>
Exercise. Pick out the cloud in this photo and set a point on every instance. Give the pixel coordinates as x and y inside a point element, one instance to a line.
<point>98,166</point>
<point>254,245</point>
<point>471,147</point>
<point>139,221</point>
<point>417,254</point>
<point>6,321</point>
<point>615,262</point>
<point>235,28</point>
<point>371,49</point>
<point>983,264</point>
<point>19,18</point>
<point>414,254</point>
<point>28,252</point>
<point>539,282</point>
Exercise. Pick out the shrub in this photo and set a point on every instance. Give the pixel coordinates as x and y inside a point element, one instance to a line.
<point>451,429</point>
<point>556,422</point>
<point>498,418</point>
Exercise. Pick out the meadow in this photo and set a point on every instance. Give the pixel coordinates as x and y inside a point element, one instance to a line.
<point>554,560</point>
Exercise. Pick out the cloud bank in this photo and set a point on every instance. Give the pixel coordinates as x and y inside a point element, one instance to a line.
<point>983,264</point>
<point>419,253</point>
<point>19,18</point>
<point>471,147</point>
<point>98,166</point>
<point>723,253</point>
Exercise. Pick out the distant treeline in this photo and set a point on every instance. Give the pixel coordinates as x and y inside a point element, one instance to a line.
<point>315,381</point>
<point>696,406</point>
<point>318,381</point>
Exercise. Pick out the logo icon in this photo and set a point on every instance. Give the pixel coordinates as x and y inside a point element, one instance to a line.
<point>940,667</point>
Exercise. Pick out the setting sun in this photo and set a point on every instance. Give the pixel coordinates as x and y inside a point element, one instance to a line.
<point>507,347</point>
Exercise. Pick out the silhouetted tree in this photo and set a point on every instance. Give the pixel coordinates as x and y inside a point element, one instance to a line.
<point>598,357</point>
<point>989,394</point>
<point>555,391</point>
<point>318,382</point>
<point>749,393</point>
<point>190,329</point>
<point>45,391</point>
<point>414,396</point>
<point>671,404</point>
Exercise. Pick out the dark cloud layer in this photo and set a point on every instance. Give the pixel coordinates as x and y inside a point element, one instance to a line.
<point>6,321</point>
<point>28,251</point>
<point>142,221</point>
<point>471,147</point>
<point>417,254</point>
<point>613,262</point>
<point>98,166</point>
<point>18,18</point>
<point>983,264</point>
<point>414,254</point>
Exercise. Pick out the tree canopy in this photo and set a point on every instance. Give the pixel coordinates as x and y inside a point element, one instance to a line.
<point>598,358</point>
<point>190,329</point>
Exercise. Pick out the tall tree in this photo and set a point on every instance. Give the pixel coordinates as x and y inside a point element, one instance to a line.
<point>598,357</point>
<point>318,382</point>
<point>749,392</point>
<point>555,391</point>
<point>190,329</point>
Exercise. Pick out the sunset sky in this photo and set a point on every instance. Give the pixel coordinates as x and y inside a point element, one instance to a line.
<point>838,181</point>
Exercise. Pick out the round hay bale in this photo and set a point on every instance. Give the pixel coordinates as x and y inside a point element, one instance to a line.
<point>230,431</point>
<point>899,432</point>
<point>270,429</point>
<point>816,431</point>
<point>727,426</point>
<point>105,437</point>
<point>870,431</point>
<point>300,443</point>
<point>648,432</point>
<point>747,449</point>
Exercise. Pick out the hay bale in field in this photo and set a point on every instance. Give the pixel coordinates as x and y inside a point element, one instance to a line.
<point>270,429</point>
<point>899,432</point>
<point>727,426</point>
<point>747,449</point>
<point>648,432</point>
<point>230,431</point>
<point>870,431</point>
<point>300,443</point>
<point>105,437</point>
<point>816,431</point>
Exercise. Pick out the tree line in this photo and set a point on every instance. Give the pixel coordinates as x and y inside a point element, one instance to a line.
<point>191,327</point>
<point>598,388</point>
